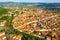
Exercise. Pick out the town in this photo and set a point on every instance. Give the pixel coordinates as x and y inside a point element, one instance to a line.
<point>40,23</point>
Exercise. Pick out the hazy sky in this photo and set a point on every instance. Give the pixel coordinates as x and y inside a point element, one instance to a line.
<point>48,1</point>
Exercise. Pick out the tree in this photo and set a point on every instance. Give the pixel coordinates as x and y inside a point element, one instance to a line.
<point>8,27</point>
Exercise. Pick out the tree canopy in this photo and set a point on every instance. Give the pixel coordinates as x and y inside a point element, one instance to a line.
<point>3,11</point>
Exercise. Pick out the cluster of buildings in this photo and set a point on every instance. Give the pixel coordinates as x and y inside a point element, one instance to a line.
<point>40,23</point>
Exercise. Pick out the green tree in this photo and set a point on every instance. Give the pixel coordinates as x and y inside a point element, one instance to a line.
<point>4,16</point>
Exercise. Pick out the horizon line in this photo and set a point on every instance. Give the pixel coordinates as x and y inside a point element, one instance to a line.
<point>34,2</point>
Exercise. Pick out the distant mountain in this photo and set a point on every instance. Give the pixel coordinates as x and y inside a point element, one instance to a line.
<point>27,3</point>
<point>49,6</point>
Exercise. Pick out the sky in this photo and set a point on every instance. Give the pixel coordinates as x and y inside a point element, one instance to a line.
<point>47,1</point>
